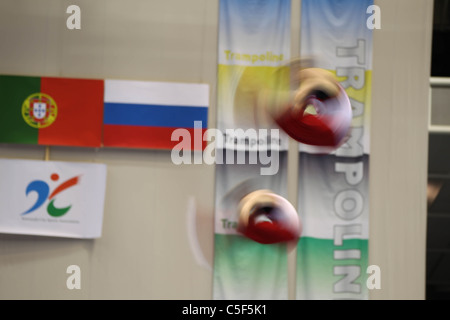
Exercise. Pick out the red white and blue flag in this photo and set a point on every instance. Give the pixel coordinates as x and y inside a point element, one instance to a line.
<point>142,114</point>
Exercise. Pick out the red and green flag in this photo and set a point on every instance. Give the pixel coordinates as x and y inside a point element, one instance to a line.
<point>51,111</point>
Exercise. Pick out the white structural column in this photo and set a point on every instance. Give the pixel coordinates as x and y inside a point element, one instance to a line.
<point>399,147</point>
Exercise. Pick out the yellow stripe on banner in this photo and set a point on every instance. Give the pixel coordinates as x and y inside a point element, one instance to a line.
<point>249,79</point>
<point>239,89</point>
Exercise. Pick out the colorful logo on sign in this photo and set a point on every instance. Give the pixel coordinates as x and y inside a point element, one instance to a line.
<point>43,191</point>
<point>39,110</point>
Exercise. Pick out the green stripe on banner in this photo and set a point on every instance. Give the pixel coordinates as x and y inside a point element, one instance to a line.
<point>323,267</point>
<point>240,263</point>
<point>13,91</point>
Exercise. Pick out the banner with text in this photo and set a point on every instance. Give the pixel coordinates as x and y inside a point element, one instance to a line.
<point>333,194</point>
<point>50,198</point>
<point>254,40</point>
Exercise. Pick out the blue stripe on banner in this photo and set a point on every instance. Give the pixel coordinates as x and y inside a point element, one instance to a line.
<point>154,115</point>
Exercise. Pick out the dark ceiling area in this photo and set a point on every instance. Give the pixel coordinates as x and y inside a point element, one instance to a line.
<point>438,222</point>
<point>440,62</point>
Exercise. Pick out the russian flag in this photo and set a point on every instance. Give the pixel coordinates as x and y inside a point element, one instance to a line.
<point>142,114</point>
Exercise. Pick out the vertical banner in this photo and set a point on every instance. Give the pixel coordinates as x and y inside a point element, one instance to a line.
<point>254,40</point>
<point>332,256</point>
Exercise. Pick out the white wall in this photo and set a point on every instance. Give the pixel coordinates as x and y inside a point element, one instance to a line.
<point>144,252</point>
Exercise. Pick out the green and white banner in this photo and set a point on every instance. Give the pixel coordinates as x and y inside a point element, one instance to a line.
<point>333,196</point>
<point>254,39</point>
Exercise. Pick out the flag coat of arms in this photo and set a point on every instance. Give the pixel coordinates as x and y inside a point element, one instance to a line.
<point>52,198</point>
<point>142,114</point>
<point>51,111</point>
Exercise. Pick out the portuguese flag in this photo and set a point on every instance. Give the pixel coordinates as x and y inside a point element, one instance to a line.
<point>51,111</point>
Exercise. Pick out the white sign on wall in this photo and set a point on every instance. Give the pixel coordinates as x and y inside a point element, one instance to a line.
<point>52,198</point>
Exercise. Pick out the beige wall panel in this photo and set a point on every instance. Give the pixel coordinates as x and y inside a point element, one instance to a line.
<point>399,147</point>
